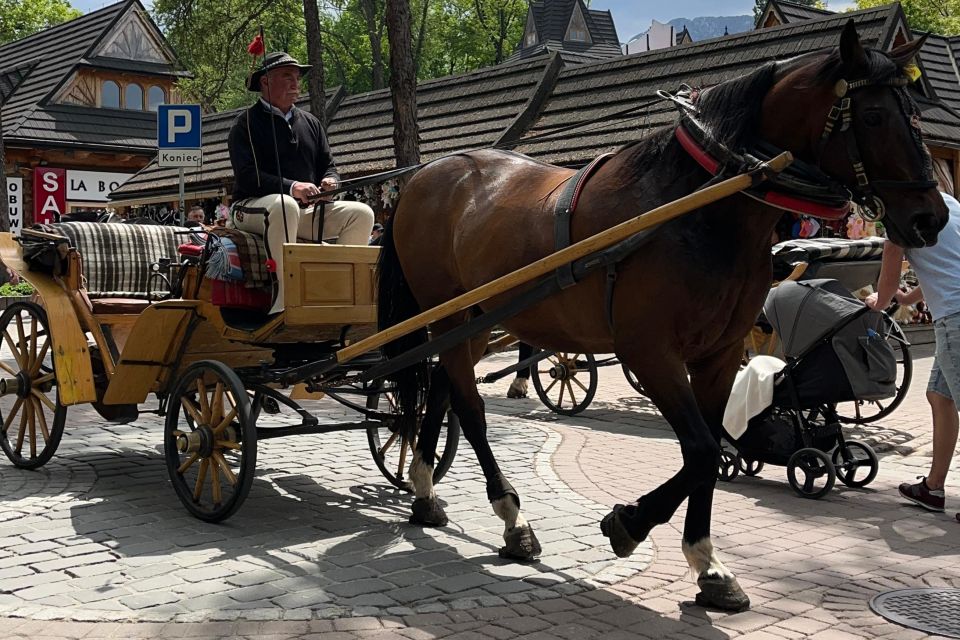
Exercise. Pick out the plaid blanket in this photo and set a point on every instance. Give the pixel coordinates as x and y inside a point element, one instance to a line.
<point>832,249</point>
<point>117,257</point>
<point>253,255</point>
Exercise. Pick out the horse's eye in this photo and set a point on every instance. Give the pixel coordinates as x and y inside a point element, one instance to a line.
<point>872,119</point>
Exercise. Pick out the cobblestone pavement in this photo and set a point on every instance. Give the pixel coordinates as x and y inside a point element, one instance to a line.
<point>97,545</point>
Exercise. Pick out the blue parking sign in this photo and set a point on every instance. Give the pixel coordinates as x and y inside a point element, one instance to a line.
<point>178,126</point>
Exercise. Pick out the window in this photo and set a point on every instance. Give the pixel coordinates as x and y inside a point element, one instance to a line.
<point>133,98</point>
<point>155,96</point>
<point>576,35</point>
<point>110,94</point>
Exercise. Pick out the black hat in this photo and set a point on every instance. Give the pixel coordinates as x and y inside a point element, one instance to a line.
<point>272,61</point>
<point>377,226</point>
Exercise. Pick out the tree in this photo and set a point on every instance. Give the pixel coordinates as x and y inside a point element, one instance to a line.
<point>21,18</point>
<point>403,84</point>
<point>939,16</point>
<point>760,5</point>
<point>371,10</point>
<point>315,80</point>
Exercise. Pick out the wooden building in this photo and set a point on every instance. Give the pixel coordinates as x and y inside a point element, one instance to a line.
<point>79,108</point>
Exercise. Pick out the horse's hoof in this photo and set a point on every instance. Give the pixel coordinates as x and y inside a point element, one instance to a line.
<point>717,592</point>
<point>428,513</point>
<point>620,541</point>
<point>518,388</point>
<point>521,545</point>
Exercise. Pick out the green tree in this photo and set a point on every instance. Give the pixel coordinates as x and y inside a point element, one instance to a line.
<point>21,18</point>
<point>939,16</point>
<point>760,5</point>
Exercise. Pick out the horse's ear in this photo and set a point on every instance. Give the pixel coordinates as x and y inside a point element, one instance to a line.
<point>903,54</point>
<point>852,55</point>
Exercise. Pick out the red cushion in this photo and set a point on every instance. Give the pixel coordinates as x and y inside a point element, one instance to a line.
<point>235,295</point>
<point>190,250</point>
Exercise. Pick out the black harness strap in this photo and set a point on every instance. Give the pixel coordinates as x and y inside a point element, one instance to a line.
<point>566,205</point>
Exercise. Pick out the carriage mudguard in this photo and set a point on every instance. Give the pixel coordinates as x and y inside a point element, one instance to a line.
<point>71,354</point>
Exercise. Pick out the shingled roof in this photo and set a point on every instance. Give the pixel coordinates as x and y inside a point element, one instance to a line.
<point>455,113</point>
<point>788,12</point>
<point>939,58</point>
<point>53,54</point>
<point>592,91</point>
<point>551,19</point>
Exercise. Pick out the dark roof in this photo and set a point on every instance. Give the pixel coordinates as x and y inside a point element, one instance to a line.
<point>588,92</point>
<point>792,12</point>
<point>454,113</point>
<point>29,118</point>
<point>602,28</point>
<point>12,77</point>
<point>551,18</point>
<point>939,60</point>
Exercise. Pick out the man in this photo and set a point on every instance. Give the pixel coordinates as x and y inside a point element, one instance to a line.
<point>376,235</point>
<point>276,201</point>
<point>195,216</point>
<point>938,273</point>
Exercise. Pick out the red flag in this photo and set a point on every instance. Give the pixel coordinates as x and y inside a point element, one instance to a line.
<point>255,48</point>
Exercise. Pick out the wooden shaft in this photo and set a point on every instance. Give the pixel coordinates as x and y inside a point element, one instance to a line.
<point>575,251</point>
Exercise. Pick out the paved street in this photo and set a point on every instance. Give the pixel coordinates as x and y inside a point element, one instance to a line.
<point>96,544</point>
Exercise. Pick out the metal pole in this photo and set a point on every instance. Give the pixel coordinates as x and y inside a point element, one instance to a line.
<point>183,219</point>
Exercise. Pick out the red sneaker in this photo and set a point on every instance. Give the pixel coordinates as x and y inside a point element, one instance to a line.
<point>920,493</point>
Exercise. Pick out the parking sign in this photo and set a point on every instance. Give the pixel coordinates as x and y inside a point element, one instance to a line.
<point>178,126</point>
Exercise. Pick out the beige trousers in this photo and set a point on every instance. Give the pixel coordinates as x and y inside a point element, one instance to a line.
<point>344,221</point>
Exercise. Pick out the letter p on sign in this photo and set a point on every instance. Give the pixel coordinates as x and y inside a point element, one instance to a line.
<point>178,122</point>
<point>178,126</point>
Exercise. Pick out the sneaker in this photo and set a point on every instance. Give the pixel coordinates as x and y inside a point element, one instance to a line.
<point>930,499</point>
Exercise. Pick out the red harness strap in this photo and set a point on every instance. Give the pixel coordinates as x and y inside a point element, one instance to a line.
<point>773,198</point>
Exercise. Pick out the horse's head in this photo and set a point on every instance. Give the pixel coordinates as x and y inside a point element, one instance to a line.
<point>849,112</point>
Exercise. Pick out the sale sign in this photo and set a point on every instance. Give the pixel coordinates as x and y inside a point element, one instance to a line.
<point>49,194</point>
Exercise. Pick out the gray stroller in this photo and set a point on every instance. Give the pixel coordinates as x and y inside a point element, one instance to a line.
<point>837,350</point>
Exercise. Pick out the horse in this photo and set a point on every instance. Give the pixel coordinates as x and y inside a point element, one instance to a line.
<point>682,304</point>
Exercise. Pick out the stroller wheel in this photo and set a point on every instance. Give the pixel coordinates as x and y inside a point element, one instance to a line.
<point>853,459</point>
<point>811,473</point>
<point>750,467</point>
<point>729,466</point>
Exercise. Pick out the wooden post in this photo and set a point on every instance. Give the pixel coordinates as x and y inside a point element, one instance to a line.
<point>576,251</point>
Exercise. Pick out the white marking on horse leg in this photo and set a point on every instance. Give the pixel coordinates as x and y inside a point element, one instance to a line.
<point>703,559</point>
<point>506,507</point>
<point>421,476</point>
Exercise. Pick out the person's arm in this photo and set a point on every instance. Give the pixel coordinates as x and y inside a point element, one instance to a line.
<point>325,159</point>
<point>889,281</point>
<point>248,166</point>
<point>913,296</point>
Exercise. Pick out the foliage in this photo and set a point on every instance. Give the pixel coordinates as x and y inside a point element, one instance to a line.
<point>13,290</point>
<point>20,18</point>
<point>938,16</point>
<point>759,5</point>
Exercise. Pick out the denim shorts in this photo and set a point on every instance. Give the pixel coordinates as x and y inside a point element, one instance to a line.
<point>945,372</point>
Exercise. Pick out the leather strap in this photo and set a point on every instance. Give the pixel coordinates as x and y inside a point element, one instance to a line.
<point>566,205</point>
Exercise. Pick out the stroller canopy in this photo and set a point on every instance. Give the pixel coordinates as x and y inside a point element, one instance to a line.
<point>804,312</point>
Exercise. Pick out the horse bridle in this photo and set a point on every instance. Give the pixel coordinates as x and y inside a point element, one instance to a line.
<point>801,179</point>
<point>864,193</point>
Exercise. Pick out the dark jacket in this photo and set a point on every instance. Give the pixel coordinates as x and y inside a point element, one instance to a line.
<point>301,143</point>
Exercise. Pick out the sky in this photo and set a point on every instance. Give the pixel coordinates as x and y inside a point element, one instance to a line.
<point>630,16</point>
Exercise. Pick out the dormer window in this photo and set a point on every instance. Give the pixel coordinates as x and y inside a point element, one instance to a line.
<point>577,35</point>
<point>577,29</point>
<point>133,99</point>
<point>110,95</point>
<point>155,97</point>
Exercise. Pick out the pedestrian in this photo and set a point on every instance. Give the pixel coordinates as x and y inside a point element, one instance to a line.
<point>376,234</point>
<point>195,216</point>
<point>938,275</point>
<point>282,164</point>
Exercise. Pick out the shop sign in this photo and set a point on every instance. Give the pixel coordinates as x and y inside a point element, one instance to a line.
<point>49,194</point>
<point>93,186</point>
<point>15,204</point>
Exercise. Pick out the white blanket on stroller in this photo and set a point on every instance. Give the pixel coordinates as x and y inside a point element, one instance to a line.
<point>752,393</point>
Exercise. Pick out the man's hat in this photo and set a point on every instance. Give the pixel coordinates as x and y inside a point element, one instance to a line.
<point>377,226</point>
<point>274,60</point>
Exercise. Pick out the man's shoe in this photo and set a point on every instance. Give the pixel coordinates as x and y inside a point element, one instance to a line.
<point>930,499</point>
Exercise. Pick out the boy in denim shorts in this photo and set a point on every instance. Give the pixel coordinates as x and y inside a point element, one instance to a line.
<point>938,272</point>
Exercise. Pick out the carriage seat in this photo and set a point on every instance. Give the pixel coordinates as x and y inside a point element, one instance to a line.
<point>116,261</point>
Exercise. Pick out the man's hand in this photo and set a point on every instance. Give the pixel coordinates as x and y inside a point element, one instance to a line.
<point>871,301</point>
<point>328,184</point>
<point>305,192</point>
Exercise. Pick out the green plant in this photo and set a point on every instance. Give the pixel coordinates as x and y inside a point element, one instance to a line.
<point>22,289</point>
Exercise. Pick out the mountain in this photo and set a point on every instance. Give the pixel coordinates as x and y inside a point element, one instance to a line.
<point>712,27</point>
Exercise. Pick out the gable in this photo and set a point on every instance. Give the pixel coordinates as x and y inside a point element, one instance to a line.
<point>577,30</point>
<point>134,38</point>
<point>530,30</point>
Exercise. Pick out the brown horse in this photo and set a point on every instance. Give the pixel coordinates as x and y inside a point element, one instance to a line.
<point>683,303</point>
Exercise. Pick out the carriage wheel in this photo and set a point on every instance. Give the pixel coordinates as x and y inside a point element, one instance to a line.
<point>31,416</point>
<point>393,452</point>
<point>632,380</point>
<point>211,457</point>
<point>853,458</point>
<point>811,473</point>
<point>564,375</point>
<point>729,466</point>
<point>864,411</point>
<point>749,467</point>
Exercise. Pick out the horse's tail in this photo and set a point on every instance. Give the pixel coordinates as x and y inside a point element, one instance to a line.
<point>395,303</point>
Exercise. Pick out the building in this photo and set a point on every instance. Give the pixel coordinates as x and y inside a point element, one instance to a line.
<point>79,102</point>
<point>777,12</point>
<point>658,36</point>
<point>569,27</point>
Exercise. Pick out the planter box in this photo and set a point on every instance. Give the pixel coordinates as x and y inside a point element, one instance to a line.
<point>6,301</point>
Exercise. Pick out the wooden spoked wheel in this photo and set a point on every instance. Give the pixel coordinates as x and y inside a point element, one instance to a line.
<point>212,457</point>
<point>31,416</point>
<point>393,452</point>
<point>559,380</point>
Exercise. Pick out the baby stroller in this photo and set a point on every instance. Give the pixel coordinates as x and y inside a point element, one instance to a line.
<point>837,350</point>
